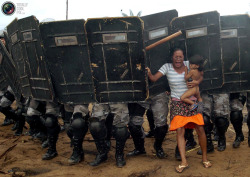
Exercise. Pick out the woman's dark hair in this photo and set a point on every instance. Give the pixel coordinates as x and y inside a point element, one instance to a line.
<point>198,60</point>
<point>174,50</point>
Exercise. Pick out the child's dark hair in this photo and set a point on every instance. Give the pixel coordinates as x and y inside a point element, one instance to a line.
<point>198,60</point>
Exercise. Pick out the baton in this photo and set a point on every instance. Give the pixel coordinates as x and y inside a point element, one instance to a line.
<point>164,40</point>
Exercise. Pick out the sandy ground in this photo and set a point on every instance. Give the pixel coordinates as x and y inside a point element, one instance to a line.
<point>21,156</point>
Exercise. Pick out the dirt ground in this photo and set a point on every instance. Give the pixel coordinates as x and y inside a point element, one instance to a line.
<point>21,156</point>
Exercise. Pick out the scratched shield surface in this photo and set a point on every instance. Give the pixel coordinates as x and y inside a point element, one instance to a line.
<point>235,37</point>
<point>25,39</point>
<point>201,35</point>
<point>117,59</point>
<point>15,50</point>
<point>8,73</point>
<point>157,27</point>
<point>66,50</point>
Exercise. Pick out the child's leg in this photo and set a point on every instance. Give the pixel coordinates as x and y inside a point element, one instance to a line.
<point>187,94</point>
<point>197,94</point>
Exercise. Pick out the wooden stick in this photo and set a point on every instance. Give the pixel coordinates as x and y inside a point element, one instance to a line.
<point>168,38</point>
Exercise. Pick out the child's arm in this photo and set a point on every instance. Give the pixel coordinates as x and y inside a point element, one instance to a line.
<point>188,74</point>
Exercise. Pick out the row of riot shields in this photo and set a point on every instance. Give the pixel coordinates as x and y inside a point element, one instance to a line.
<point>103,60</point>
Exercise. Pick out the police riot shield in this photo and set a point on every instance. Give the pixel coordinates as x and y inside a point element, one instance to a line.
<point>157,27</point>
<point>8,74</point>
<point>201,35</point>
<point>15,50</point>
<point>117,59</point>
<point>32,53</point>
<point>235,38</point>
<point>66,50</point>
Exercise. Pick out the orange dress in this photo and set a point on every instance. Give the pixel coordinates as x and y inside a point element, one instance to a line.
<point>181,116</point>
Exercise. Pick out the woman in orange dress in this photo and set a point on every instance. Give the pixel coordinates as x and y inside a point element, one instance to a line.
<point>181,116</point>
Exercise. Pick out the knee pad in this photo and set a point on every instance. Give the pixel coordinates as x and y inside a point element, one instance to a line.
<point>51,121</point>
<point>120,133</point>
<point>221,123</point>
<point>52,125</point>
<point>97,128</point>
<point>236,117</point>
<point>78,121</point>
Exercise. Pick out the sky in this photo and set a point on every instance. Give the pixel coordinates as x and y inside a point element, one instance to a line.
<point>83,9</point>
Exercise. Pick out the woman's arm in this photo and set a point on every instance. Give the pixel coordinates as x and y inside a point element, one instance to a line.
<point>154,77</point>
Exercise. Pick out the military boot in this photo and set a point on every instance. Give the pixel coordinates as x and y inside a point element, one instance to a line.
<point>236,118</point>
<point>160,133</point>
<point>222,125</point>
<point>137,135</point>
<point>78,154</point>
<point>102,155</point>
<point>20,125</point>
<point>51,153</point>
<point>119,155</point>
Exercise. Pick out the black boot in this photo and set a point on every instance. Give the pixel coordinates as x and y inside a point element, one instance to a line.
<point>99,132</point>
<point>45,143</point>
<point>79,128</point>
<point>190,142</point>
<point>236,118</point>
<point>14,127</point>
<point>160,133</point>
<point>222,125</point>
<point>7,121</point>
<point>51,153</point>
<point>121,134</point>
<point>53,130</point>
<point>119,155</point>
<point>137,135</point>
<point>9,115</point>
<point>78,154</point>
<point>208,127</point>
<point>102,155</point>
<point>20,125</point>
<point>31,123</point>
<point>151,124</point>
